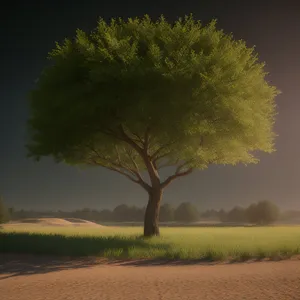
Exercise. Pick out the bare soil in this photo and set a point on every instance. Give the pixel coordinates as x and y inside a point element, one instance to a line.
<point>66,222</point>
<point>43,278</point>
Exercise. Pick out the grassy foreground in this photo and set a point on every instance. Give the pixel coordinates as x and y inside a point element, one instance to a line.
<point>209,244</point>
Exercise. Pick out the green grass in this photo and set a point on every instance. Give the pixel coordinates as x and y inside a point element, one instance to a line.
<point>209,244</point>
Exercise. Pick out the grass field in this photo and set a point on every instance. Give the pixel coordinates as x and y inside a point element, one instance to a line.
<point>208,244</point>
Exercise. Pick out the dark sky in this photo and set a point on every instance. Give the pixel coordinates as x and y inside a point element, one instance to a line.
<point>29,31</point>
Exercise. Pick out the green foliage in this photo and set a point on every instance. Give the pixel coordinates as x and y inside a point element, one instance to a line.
<point>229,243</point>
<point>4,214</point>
<point>199,95</point>
<point>121,212</point>
<point>237,214</point>
<point>125,213</point>
<point>167,213</point>
<point>251,213</point>
<point>186,212</point>
<point>263,213</point>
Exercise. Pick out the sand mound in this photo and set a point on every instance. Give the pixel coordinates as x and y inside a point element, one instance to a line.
<point>55,222</point>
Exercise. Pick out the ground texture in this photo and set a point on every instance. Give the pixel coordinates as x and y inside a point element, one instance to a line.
<point>29,278</point>
<point>46,222</point>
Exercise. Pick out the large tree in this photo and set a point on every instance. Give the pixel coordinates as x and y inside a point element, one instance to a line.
<point>138,95</point>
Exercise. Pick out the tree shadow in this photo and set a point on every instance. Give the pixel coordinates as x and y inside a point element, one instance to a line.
<point>66,245</point>
<point>163,262</point>
<point>20,265</point>
<point>28,254</point>
<point>190,262</point>
<point>24,265</point>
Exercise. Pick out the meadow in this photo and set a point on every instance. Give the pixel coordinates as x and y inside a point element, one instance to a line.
<point>176,243</point>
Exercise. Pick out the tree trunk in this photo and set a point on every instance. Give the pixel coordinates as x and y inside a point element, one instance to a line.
<point>152,213</point>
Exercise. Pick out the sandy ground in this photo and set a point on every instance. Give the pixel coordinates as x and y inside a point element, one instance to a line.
<point>67,222</point>
<point>45,278</point>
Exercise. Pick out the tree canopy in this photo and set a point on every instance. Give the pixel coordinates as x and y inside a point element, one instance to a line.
<point>139,95</point>
<point>200,96</point>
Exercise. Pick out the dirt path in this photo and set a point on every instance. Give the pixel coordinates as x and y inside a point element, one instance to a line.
<point>45,279</point>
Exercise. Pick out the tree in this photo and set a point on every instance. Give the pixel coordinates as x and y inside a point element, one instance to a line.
<point>237,214</point>
<point>125,213</point>
<point>105,215</point>
<point>136,96</point>
<point>4,217</point>
<point>186,212</point>
<point>252,214</point>
<point>121,213</point>
<point>210,213</point>
<point>222,215</point>
<point>11,212</point>
<point>136,214</point>
<point>167,213</point>
<point>263,213</point>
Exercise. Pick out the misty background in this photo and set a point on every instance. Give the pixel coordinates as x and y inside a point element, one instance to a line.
<point>28,33</point>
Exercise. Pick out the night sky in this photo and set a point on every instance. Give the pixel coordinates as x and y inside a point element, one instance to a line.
<point>28,33</point>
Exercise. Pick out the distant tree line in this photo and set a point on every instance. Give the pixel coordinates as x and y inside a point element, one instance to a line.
<point>5,213</point>
<point>261,213</point>
<point>185,212</point>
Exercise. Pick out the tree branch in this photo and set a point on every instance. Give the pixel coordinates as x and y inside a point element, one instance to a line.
<point>117,167</point>
<point>153,174</point>
<point>147,139</point>
<point>178,172</point>
<point>123,173</point>
<point>138,138</point>
<point>142,183</point>
<point>164,165</point>
<point>137,170</point>
<point>161,156</point>
<point>111,133</point>
<point>119,136</point>
<point>156,155</point>
<point>129,140</point>
<point>176,175</point>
